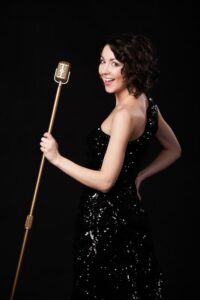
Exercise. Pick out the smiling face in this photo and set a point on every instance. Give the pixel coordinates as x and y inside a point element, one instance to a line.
<point>110,70</point>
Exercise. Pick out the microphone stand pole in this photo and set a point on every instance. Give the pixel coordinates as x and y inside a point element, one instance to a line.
<point>29,218</point>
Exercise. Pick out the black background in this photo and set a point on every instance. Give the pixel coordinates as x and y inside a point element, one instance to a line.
<point>34,38</point>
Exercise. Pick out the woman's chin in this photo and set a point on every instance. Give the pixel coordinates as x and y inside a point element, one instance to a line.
<point>109,90</point>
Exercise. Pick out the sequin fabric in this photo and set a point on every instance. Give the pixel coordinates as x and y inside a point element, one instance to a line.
<point>113,249</point>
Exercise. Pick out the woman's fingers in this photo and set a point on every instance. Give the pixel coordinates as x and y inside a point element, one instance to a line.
<point>138,193</point>
<point>47,135</point>
<point>139,196</point>
<point>137,184</point>
<point>46,142</point>
<point>49,146</point>
<point>43,139</point>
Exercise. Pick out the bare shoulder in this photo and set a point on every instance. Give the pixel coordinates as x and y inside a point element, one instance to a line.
<point>122,117</point>
<point>130,112</point>
<point>129,119</point>
<point>121,124</point>
<point>122,112</point>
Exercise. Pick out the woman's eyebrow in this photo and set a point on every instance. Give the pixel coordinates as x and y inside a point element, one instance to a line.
<point>111,59</point>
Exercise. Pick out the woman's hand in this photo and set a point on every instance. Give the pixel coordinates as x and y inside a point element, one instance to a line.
<point>138,182</point>
<point>49,147</point>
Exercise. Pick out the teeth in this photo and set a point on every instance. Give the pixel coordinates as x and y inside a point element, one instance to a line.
<point>108,79</point>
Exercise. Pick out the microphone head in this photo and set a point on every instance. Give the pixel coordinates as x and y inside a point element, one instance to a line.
<point>62,72</point>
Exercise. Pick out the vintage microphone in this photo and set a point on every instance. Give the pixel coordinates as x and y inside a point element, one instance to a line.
<point>61,76</point>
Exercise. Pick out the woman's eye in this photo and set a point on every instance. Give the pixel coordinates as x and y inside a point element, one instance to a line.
<point>101,61</point>
<point>115,64</point>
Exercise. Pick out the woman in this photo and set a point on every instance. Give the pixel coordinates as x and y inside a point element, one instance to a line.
<point>114,256</point>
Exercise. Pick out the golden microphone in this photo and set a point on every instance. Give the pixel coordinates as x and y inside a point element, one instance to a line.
<point>62,72</point>
<point>61,76</point>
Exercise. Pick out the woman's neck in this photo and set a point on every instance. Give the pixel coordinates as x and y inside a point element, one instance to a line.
<point>124,97</point>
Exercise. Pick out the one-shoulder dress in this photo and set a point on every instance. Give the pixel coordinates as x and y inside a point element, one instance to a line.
<point>114,257</point>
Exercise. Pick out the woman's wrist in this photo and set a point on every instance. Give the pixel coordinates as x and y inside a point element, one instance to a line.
<point>141,175</point>
<point>56,160</point>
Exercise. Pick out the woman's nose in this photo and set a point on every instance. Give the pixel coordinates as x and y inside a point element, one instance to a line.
<point>105,69</point>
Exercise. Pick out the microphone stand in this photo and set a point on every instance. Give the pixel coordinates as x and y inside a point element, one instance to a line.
<point>60,79</point>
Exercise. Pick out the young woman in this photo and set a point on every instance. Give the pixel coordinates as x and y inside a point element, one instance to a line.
<point>114,256</point>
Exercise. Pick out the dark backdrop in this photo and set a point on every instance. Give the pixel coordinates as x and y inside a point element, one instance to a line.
<point>34,38</point>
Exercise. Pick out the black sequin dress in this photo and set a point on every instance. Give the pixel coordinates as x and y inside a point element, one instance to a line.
<point>114,256</point>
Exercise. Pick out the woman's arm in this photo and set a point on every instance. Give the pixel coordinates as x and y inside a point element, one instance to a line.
<point>171,150</point>
<point>104,178</point>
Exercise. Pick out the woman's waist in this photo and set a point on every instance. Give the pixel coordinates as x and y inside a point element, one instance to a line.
<point>118,191</point>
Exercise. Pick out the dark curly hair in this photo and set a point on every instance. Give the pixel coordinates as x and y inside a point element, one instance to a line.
<point>138,55</point>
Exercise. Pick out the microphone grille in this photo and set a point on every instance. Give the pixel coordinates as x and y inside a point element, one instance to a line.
<point>62,71</point>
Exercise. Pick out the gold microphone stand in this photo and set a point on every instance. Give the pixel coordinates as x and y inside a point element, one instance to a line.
<point>61,76</point>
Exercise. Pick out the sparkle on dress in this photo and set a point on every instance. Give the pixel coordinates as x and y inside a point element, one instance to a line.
<point>113,250</point>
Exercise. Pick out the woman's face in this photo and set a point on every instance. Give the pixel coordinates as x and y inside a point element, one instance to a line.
<point>110,71</point>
